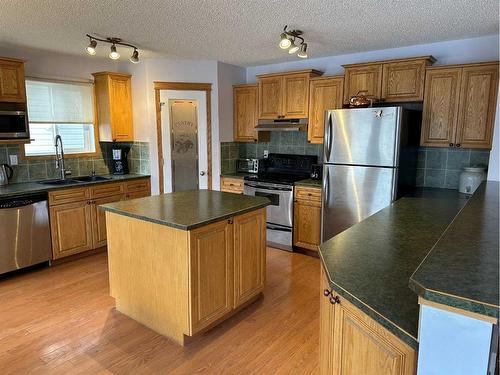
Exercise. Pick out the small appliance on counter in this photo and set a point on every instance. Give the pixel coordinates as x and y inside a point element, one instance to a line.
<point>470,179</point>
<point>6,173</point>
<point>119,163</point>
<point>250,165</point>
<point>317,172</point>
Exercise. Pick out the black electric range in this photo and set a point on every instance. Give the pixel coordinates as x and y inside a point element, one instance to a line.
<point>285,169</point>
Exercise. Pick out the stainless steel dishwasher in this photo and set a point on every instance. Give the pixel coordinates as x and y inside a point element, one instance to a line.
<point>24,232</point>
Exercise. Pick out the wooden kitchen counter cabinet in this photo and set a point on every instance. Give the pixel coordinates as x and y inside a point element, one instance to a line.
<point>183,262</point>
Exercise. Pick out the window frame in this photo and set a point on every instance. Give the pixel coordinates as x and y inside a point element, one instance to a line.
<point>97,152</point>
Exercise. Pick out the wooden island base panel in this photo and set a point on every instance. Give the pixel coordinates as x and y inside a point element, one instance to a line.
<point>182,282</point>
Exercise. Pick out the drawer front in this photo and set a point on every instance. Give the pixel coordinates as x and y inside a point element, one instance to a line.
<point>308,194</point>
<point>137,185</point>
<point>137,194</point>
<point>232,184</point>
<point>106,190</point>
<point>68,195</point>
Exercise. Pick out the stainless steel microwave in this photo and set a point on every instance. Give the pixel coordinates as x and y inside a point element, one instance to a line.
<point>14,124</point>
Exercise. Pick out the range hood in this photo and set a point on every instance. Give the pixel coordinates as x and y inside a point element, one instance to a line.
<point>293,124</point>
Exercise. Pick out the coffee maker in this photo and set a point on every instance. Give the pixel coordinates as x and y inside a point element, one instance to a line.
<point>119,163</point>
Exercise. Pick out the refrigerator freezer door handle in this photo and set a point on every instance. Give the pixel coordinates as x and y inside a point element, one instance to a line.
<point>328,137</point>
<point>327,187</point>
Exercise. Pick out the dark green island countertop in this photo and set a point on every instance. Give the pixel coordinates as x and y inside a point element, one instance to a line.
<point>462,270</point>
<point>24,188</point>
<point>187,210</point>
<point>370,264</point>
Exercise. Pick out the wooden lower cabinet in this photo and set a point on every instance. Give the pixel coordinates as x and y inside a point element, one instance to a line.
<point>77,223</point>
<point>307,218</point>
<point>71,228</point>
<point>211,273</point>
<point>231,185</point>
<point>99,220</point>
<point>183,282</point>
<point>249,257</point>
<point>352,343</point>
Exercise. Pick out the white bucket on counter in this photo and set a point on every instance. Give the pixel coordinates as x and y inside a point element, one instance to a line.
<point>470,179</point>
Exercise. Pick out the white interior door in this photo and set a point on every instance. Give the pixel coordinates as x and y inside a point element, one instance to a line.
<point>199,97</point>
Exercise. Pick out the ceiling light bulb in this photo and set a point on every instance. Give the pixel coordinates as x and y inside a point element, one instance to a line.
<point>114,55</point>
<point>135,57</point>
<point>285,42</point>
<point>293,48</point>
<point>303,51</point>
<point>91,47</point>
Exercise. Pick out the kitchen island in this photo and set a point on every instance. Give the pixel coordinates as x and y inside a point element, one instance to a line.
<point>181,263</point>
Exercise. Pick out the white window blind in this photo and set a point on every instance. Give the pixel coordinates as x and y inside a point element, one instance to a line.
<point>65,109</point>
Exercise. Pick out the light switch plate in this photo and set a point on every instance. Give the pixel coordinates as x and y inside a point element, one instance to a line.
<point>266,154</point>
<point>13,159</point>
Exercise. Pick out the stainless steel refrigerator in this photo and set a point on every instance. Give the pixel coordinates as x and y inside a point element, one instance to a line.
<point>370,158</point>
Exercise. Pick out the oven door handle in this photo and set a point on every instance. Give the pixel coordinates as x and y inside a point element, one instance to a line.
<point>278,228</point>
<point>268,187</point>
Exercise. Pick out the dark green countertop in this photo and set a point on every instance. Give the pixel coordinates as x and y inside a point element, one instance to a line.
<point>187,210</point>
<point>310,183</point>
<point>24,188</point>
<point>370,263</point>
<point>462,270</point>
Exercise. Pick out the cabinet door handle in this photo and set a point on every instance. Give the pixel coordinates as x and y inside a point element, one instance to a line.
<point>229,221</point>
<point>451,145</point>
<point>333,299</point>
<point>458,145</point>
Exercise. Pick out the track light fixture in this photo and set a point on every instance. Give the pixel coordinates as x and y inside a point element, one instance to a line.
<point>113,54</point>
<point>303,51</point>
<point>288,40</point>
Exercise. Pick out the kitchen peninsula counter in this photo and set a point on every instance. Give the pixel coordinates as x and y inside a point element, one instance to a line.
<point>370,264</point>
<point>183,262</point>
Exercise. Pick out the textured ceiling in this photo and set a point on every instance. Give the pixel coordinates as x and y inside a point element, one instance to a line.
<point>243,32</point>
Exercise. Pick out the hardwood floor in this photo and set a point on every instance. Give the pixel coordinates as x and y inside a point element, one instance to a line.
<point>61,320</point>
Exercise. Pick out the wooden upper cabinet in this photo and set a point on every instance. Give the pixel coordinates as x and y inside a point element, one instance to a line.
<point>285,95</point>
<point>12,85</point>
<point>245,104</point>
<point>114,106</point>
<point>399,80</point>
<point>270,97</point>
<point>404,81</point>
<point>478,99</point>
<point>459,106</point>
<point>296,95</point>
<point>439,118</point>
<point>366,79</point>
<point>324,93</point>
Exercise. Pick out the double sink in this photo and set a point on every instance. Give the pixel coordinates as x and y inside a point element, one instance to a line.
<point>74,180</point>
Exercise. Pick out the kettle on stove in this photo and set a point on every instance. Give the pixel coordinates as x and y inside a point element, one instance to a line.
<point>6,173</point>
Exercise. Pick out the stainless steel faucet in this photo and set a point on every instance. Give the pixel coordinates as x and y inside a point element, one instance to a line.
<point>60,158</point>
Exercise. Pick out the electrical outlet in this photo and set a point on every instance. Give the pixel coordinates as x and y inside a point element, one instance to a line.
<point>13,159</point>
<point>266,154</point>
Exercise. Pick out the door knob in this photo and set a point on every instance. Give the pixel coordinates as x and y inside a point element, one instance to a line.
<point>202,173</point>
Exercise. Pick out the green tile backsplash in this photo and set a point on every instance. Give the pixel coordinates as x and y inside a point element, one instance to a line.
<point>441,167</point>
<point>293,142</point>
<point>34,170</point>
